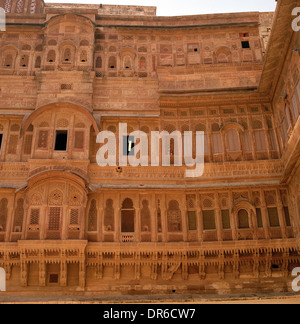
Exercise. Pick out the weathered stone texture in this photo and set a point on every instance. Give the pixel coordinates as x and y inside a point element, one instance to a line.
<point>68,225</point>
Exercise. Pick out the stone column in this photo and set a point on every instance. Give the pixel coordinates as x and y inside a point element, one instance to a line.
<point>265,216</point>
<point>138,225</point>
<point>219,220</point>
<point>164,221</point>
<point>10,221</point>
<point>63,269</point>
<point>232,218</point>
<point>153,213</point>
<point>65,222</point>
<point>43,221</point>
<point>184,222</point>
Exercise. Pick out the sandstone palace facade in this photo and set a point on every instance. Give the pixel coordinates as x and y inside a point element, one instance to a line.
<point>69,226</point>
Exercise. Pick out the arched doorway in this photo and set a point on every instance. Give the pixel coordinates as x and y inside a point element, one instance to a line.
<point>2,280</point>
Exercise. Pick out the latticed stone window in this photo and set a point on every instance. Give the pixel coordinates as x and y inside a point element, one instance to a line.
<point>225,219</point>
<point>28,141</point>
<point>19,215</point>
<point>54,218</point>
<point>79,140</point>
<point>3,214</point>
<point>174,217</point>
<point>209,221</point>
<point>43,139</point>
<point>13,139</point>
<point>273,217</point>
<point>34,216</point>
<point>92,217</point>
<point>51,57</point>
<point>74,217</point>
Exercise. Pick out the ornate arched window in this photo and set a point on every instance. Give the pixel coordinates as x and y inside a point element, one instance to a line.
<point>243,219</point>
<point>233,140</point>
<point>51,57</point>
<point>112,62</point>
<point>127,63</point>
<point>145,217</point>
<point>174,217</point>
<point>109,216</point>
<point>83,57</point>
<point>99,62</point>
<point>217,145</point>
<point>13,139</point>
<point>127,216</point>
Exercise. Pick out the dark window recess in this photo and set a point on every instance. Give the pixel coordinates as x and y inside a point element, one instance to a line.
<point>245,44</point>
<point>128,146</point>
<point>53,278</point>
<point>1,137</point>
<point>61,141</point>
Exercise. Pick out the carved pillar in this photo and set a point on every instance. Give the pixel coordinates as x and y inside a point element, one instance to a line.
<point>281,215</point>
<point>164,220</point>
<point>24,270</point>
<point>43,221</point>
<point>154,266</point>
<point>138,225</point>
<point>202,273</point>
<point>137,266</point>
<point>153,213</point>
<point>117,266</point>
<point>99,270</point>
<point>221,266</point>
<point>42,269</point>
<point>65,222</point>
<point>82,274</point>
<point>265,215</point>
<point>268,269</point>
<point>118,225</point>
<point>63,269</point>
<point>236,264</point>
<point>10,220</point>
<point>219,220</point>
<point>184,221</point>
<point>232,218</point>
<point>42,273</point>
<point>185,272</point>
<point>256,264</point>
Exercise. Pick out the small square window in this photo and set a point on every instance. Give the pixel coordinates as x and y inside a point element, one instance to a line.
<point>128,146</point>
<point>245,44</point>
<point>61,140</point>
<point>53,278</point>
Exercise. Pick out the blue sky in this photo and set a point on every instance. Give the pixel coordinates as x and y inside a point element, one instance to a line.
<point>188,7</point>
